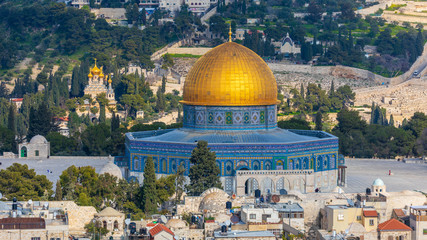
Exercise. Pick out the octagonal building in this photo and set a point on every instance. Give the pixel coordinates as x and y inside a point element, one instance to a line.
<point>229,100</point>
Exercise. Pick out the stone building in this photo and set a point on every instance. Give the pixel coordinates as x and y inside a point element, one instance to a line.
<point>112,220</point>
<point>418,222</point>
<point>32,228</point>
<point>393,229</point>
<point>288,47</point>
<point>229,100</point>
<point>378,187</point>
<point>38,147</point>
<point>161,232</point>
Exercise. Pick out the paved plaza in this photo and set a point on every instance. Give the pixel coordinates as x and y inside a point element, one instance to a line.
<point>56,165</point>
<point>405,176</point>
<point>360,172</point>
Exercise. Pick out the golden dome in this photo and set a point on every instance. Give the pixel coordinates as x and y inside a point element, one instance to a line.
<point>95,70</point>
<point>90,73</point>
<point>230,75</point>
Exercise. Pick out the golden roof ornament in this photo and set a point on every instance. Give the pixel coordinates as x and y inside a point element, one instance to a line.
<point>229,34</point>
<point>95,69</point>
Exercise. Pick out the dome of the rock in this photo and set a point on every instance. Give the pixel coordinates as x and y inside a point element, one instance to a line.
<point>230,75</point>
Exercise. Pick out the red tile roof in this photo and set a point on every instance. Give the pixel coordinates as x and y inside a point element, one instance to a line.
<point>393,225</point>
<point>399,212</point>
<point>159,228</point>
<point>151,224</point>
<point>370,213</point>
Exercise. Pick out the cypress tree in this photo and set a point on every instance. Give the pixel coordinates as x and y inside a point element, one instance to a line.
<point>58,191</point>
<point>75,84</point>
<point>319,125</point>
<point>102,114</point>
<point>163,84</point>
<point>302,90</point>
<point>11,120</point>
<point>332,90</point>
<point>160,101</point>
<point>204,173</point>
<point>391,122</point>
<point>115,122</point>
<point>149,187</point>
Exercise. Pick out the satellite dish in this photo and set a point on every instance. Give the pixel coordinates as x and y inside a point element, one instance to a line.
<point>228,222</point>
<point>339,190</point>
<point>163,219</point>
<point>235,219</point>
<point>350,202</point>
<point>127,221</point>
<point>176,237</point>
<point>30,202</point>
<point>275,198</point>
<point>1,195</point>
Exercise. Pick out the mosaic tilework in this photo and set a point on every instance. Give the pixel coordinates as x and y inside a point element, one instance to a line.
<point>217,118</point>
<point>238,118</point>
<point>200,118</point>
<point>229,117</point>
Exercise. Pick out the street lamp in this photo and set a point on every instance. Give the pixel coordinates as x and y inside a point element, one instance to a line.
<point>94,226</point>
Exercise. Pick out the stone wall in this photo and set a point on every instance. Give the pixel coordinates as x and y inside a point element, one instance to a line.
<point>28,234</point>
<point>188,50</point>
<point>401,235</point>
<point>78,216</point>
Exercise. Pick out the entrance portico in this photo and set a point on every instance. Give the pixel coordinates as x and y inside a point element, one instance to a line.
<point>272,181</point>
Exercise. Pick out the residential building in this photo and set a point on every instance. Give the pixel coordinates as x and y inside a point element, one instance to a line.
<point>393,229</point>
<point>198,6</point>
<point>418,222</point>
<point>170,5</point>
<point>370,220</point>
<point>161,232</point>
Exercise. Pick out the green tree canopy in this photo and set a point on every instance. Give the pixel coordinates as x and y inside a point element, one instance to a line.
<point>24,184</point>
<point>204,173</point>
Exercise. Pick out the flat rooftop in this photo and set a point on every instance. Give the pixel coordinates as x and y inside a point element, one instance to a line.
<point>243,234</point>
<point>361,173</point>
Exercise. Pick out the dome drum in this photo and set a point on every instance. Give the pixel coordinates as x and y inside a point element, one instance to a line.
<point>230,118</point>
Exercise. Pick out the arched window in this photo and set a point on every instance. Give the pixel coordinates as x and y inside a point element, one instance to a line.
<point>164,166</point>
<point>136,165</point>
<point>291,164</point>
<point>255,165</point>
<point>228,168</point>
<point>267,165</point>
<point>104,224</point>
<point>243,165</point>
<point>173,165</point>
<point>279,165</point>
<point>116,225</point>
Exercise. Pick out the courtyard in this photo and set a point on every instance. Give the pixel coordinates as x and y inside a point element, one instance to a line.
<point>405,176</point>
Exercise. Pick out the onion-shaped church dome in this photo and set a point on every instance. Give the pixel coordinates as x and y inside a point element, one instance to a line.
<point>230,75</point>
